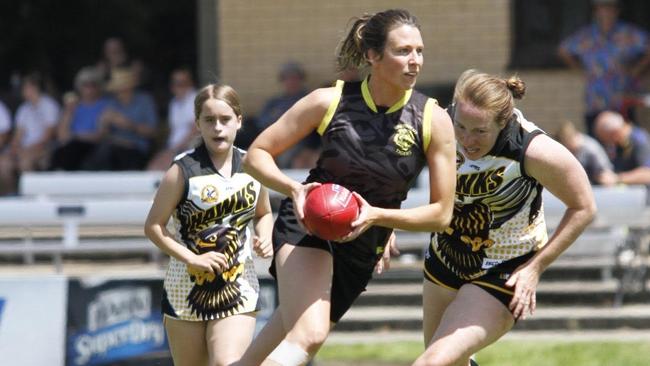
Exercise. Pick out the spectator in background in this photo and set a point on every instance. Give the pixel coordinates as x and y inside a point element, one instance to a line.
<point>30,146</point>
<point>5,126</point>
<point>628,145</point>
<point>292,76</point>
<point>78,132</point>
<point>5,133</point>
<point>589,152</point>
<point>115,56</point>
<point>127,126</point>
<point>180,118</point>
<point>613,54</point>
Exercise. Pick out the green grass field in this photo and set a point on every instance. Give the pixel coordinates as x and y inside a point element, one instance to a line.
<point>502,353</point>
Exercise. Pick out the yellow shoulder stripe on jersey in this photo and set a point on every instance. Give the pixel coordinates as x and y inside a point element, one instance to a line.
<point>400,103</point>
<point>426,123</point>
<point>331,109</point>
<point>365,92</point>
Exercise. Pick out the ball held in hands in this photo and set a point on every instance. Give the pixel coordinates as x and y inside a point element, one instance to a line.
<point>329,211</point>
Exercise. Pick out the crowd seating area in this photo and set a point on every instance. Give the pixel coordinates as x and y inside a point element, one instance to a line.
<point>58,215</point>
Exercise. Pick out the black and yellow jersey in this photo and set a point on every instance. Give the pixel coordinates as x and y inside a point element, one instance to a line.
<point>498,211</point>
<point>377,152</point>
<point>213,215</point>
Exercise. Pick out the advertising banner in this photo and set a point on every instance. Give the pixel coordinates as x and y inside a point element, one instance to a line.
<point>116,322</point>
<point>32,320</point>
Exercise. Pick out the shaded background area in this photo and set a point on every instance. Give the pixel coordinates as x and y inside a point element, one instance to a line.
<point>539,25</point>
<point>251,39</point>
<point>59,37</point>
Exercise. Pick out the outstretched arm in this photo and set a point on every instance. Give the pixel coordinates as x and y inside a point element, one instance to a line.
<point>295,124</point>
<point>552,165</point>
<point>568,59</point>
<point>263,224</point>
<point>640,175</point>
<point>168,195</point>
<point>558,171</point>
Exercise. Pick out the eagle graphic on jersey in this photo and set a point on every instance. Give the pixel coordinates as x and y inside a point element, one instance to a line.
<point>470,226</point>
<point>463,244</point>
<point>217,294</point>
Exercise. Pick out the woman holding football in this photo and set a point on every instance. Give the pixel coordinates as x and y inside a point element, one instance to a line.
<point>377,135</point>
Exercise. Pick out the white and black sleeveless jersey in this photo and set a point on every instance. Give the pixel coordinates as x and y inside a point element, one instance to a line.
<point>498,211</point>
<point>213,216</point>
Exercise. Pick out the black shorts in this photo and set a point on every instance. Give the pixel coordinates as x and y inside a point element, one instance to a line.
<point>353,261</point>
<point>493,280</point>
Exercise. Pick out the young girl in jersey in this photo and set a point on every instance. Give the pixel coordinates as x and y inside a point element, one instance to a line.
<point>482,271</point>
<point>377,135</point>
<point>211,288</point>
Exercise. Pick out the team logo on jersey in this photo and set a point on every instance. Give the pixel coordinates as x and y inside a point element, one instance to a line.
<point>404,139</point>
<point>209,194</point>
<point>481,183</point>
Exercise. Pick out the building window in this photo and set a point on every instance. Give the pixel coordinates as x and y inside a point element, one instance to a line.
<point>539,26</point>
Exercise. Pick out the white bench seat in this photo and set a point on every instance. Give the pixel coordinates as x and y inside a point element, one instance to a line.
<point>22,214</point>
<point>89,184</point>
<point>114,200</point>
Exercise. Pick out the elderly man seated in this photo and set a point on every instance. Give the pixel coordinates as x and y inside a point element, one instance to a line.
<point>628,147</point>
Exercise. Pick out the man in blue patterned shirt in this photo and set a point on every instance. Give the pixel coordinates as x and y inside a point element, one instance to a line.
<point>612,53</point>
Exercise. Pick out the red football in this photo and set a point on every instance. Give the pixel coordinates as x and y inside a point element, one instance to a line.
<point>329,210</point>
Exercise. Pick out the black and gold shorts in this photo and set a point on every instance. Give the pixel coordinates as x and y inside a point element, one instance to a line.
<point>493,280</point>
<point>353,261</point>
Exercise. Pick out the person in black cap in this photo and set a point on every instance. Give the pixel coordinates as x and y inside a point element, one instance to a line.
<point>292,76</point>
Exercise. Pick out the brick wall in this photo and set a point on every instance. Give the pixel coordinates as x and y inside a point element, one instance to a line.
<point>256,37</point>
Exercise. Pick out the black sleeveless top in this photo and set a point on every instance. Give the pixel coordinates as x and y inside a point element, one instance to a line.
<point>379,154</point>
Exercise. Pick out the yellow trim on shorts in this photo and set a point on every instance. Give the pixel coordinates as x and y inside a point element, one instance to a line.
<point>486,284</point>
<point>331,109</point>
<point>365,92</point>
<point>426,123</point>
<point>437,282</point>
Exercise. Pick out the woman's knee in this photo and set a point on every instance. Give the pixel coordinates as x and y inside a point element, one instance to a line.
<point>315,338</point>
<point>440,359</point>
<point>223,360</point>
<point>441,354</point>
<point>310,337</point>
